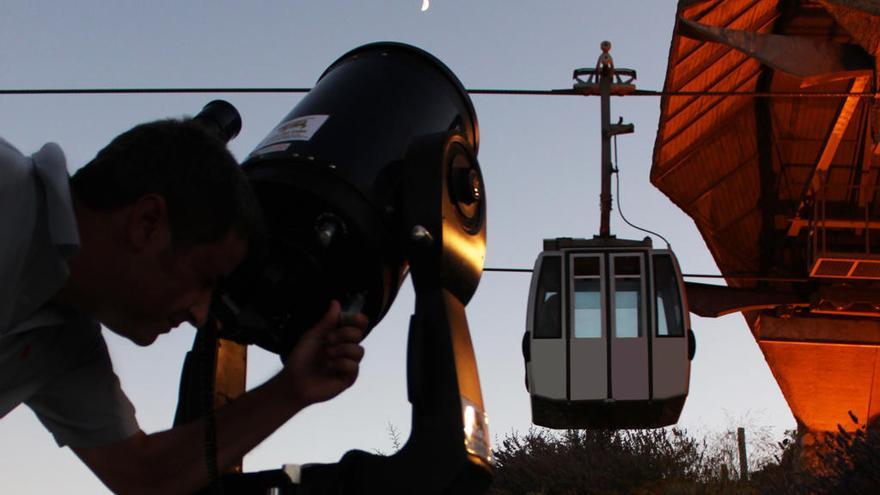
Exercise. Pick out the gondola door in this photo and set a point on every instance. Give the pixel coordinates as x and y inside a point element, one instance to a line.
<point>546,364</point>
<point>670,342</point>
<point>629,367</point>
<point>588,344</point>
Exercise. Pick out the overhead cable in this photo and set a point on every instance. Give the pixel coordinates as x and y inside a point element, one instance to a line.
<point>514,92</point>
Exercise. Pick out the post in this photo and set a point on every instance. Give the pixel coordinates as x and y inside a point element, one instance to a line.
<point>605,75</point>
<point>230,378</point>
<point>743,460</point>
<point>605,80</point>
<point>219,361</point>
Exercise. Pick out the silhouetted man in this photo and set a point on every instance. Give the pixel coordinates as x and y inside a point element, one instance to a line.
<point>136,240</point>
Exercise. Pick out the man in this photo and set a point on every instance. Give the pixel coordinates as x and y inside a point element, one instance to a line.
<point>136,240</point>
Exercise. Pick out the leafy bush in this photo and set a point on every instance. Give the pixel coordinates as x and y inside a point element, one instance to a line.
<point>598,461</point>
<point>670,461</point>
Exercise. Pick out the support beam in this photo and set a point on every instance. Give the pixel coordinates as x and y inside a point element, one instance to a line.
<point>874,111</point>
<point>713,301</point>
<point>814,60</point>
<point>769,191</point>
<point>762,25</point>
<point>871,151</point>
<point>841,123</point>
<point>683,5</point>
<point>818,330</point>
<point>832,223</point>
<point>868,182</point>
<point>832,142</point>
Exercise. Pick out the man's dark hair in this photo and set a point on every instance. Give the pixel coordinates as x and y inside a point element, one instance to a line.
<point>203,186</point>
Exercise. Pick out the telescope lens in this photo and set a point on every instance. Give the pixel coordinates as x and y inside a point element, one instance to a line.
<point>466,187</point>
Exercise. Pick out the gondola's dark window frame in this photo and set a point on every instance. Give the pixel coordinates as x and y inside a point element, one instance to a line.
<point>667,283</point>
<point>548,298</point>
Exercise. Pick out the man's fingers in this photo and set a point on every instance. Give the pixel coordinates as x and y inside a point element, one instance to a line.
<point>352,352</point>
<point>330,318</point>
<point>345,367</point>
<point>359,320</point>
<point>344,334</point>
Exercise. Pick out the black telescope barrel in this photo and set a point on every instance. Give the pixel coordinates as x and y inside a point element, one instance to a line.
<point>329,178</point>
<point>456,91</point>
<point>377,100</point>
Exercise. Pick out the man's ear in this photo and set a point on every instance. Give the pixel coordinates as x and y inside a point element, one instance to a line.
<point>147,226</point>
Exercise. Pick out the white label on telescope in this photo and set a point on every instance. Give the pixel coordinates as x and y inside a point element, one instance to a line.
<point>272,148</point>
<point>298,129</point>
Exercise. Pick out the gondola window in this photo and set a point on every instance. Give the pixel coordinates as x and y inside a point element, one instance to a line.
<point>668,298</point>
<point>627,296</point>
<point>548,322</point>
<point>588,297</point>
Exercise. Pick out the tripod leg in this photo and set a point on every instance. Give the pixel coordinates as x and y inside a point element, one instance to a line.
<point>448,449</point>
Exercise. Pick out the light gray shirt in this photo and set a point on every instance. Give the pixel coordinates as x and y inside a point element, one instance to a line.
<point>51,359</point>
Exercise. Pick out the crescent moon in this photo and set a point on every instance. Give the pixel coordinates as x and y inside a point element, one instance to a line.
<point>425,5</point>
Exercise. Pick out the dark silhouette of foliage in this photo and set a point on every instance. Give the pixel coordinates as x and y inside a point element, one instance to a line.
<point>848,462</point>
<point>598,461</point>
<point>669,461</point>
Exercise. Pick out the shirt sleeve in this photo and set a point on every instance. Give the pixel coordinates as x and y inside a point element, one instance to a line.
<point>19,197</point>
<point>84,405</point>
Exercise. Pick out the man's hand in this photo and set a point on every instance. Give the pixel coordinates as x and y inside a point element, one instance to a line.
<point>326,359</point>
<point>324,363</point>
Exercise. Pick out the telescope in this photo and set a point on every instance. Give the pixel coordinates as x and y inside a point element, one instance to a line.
<point>371,177</point>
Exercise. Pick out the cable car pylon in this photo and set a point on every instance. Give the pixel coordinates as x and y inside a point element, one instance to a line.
<point>605,80</point>
<point>608,341</point>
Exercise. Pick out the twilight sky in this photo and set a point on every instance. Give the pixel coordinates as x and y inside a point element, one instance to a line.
<point>539,156</point>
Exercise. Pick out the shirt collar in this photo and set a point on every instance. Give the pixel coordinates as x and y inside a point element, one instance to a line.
<point>51,168</point>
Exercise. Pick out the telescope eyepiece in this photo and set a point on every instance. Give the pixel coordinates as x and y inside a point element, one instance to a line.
<point>221,119</point>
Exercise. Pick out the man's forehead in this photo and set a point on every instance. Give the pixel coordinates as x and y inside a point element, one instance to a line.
<point>223,256</point>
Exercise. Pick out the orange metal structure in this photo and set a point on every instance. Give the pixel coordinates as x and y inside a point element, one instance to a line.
<point>767,178</point>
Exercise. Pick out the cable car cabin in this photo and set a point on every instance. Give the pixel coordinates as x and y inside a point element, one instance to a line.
<point>608,341</point>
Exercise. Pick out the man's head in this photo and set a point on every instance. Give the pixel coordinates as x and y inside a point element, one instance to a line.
<point>164,212</point>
